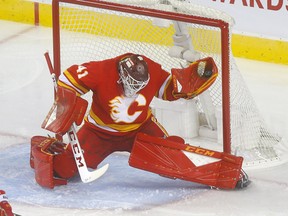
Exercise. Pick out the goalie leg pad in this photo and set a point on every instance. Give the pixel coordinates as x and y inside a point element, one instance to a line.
<point>166,157</point>
<point>42,162</point>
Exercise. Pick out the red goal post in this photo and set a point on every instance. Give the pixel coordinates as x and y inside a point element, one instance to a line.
<point>82,30</point>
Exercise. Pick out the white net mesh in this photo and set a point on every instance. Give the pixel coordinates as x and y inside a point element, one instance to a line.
<point>90,33</point>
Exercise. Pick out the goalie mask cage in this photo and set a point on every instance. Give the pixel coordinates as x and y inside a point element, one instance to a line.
<point>171,33</point>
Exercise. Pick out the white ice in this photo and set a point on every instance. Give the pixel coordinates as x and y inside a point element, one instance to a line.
<point>26,96</point>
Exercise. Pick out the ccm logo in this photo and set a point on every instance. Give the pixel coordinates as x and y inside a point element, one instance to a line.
<point>199,151</point>
<point>76,150</point>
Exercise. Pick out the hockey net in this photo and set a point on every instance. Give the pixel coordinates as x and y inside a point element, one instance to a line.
<point>172,33</point>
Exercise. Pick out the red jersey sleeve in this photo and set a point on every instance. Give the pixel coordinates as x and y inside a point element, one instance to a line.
<point>161,80</point>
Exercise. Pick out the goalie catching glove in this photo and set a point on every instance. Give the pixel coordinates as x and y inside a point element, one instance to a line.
<point>193,80</point>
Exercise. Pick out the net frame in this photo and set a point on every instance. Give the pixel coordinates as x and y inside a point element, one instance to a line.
<point>222,25</point>
<point>221,21</point>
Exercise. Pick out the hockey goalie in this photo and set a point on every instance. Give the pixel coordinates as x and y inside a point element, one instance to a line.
<point>120,120</point>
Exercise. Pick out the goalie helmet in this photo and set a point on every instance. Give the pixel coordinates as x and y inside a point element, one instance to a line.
<point>134,75</point>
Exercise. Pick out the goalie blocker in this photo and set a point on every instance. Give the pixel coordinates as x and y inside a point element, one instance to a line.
<point>67,109</point>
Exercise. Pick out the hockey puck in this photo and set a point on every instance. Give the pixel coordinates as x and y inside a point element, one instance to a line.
<point>207,74</point>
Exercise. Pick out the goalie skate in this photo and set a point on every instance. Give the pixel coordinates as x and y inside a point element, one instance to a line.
<point>243,181</point>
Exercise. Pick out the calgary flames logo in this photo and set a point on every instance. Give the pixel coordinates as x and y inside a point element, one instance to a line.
<point>120,106</point>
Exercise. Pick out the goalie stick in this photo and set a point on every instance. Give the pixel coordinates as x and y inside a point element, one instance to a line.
<point>85,175</point>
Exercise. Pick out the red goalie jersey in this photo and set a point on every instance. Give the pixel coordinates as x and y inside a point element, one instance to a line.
<point>110,109</point>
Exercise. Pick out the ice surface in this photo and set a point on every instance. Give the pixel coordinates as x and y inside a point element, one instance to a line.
<point>26,96</point>
<point>121,187</point>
